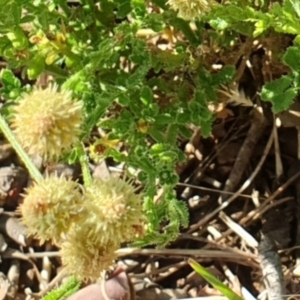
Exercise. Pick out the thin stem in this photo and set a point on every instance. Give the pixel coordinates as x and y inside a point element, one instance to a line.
<point>87,178</point>
<point>32,169</point>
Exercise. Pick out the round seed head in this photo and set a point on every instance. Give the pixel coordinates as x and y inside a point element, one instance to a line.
<point>50,206</point>
<point>115,209</point>
<point>84,255</point>
<point>191,9</point>
<point>47,122</point>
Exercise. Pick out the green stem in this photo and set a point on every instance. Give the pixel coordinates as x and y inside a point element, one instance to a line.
<point>32,169</point>
<point>87,177</point>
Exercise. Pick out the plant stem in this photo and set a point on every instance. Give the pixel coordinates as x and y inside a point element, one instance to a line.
<point>32,169</point>
<point>87,178</point>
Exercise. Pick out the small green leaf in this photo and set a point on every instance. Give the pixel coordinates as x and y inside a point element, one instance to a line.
<point>178,210</point>
<point>18,38</point>
<point>157,148</point>
<point>156,135</point>
<point>8,78</point>
<point>280,92</point>
<point>27,19</point>
<point>183,117</point>
<point>160,3</point>
<point>224,75</point>
<point>219,24</point>
<point>146,95</point>
<point>185,132</point>
<point>124,8</point>
<point>296,5</point>
<point>139,6</point>
<point>184,26</point>
<point>123,99</point>
<point>206,127</point>
<point>292,58</point>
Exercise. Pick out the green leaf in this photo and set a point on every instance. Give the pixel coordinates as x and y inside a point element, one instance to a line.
<point>156,135</point>
<point>215,282</point>
<point>206,127</point>
<point>185,132</point>
<point>124,8</point>
<point>183,117</point>
<point>76,82</point>
<point>280,92</point>
<point>219,24</point>
<point>178,210</point>
<point>184,26</point>
<point>139,6</point>
<point>103,102</point>
<point>160,3</point>
<point>123,99</point>
<point>172,133</point>
<point>9,79</point>
<point>296,6</point>
<point>35,67</point>
<point>292,58</point>
<point>285,19</point>
<point>10,12</point>
<point>18,38</point>
<point>225,75</point>
<point>260,27</point>
<point>27,19</point>
<point>116,155</point>
<point>146,95</point>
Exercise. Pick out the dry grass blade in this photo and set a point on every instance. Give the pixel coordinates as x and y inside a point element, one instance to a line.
<point>239,230</point>
<point>237,97</point>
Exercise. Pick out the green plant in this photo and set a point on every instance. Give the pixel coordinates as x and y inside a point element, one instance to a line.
<point>215,282</point>
<point>144,95</point>
<point>146,114</point>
